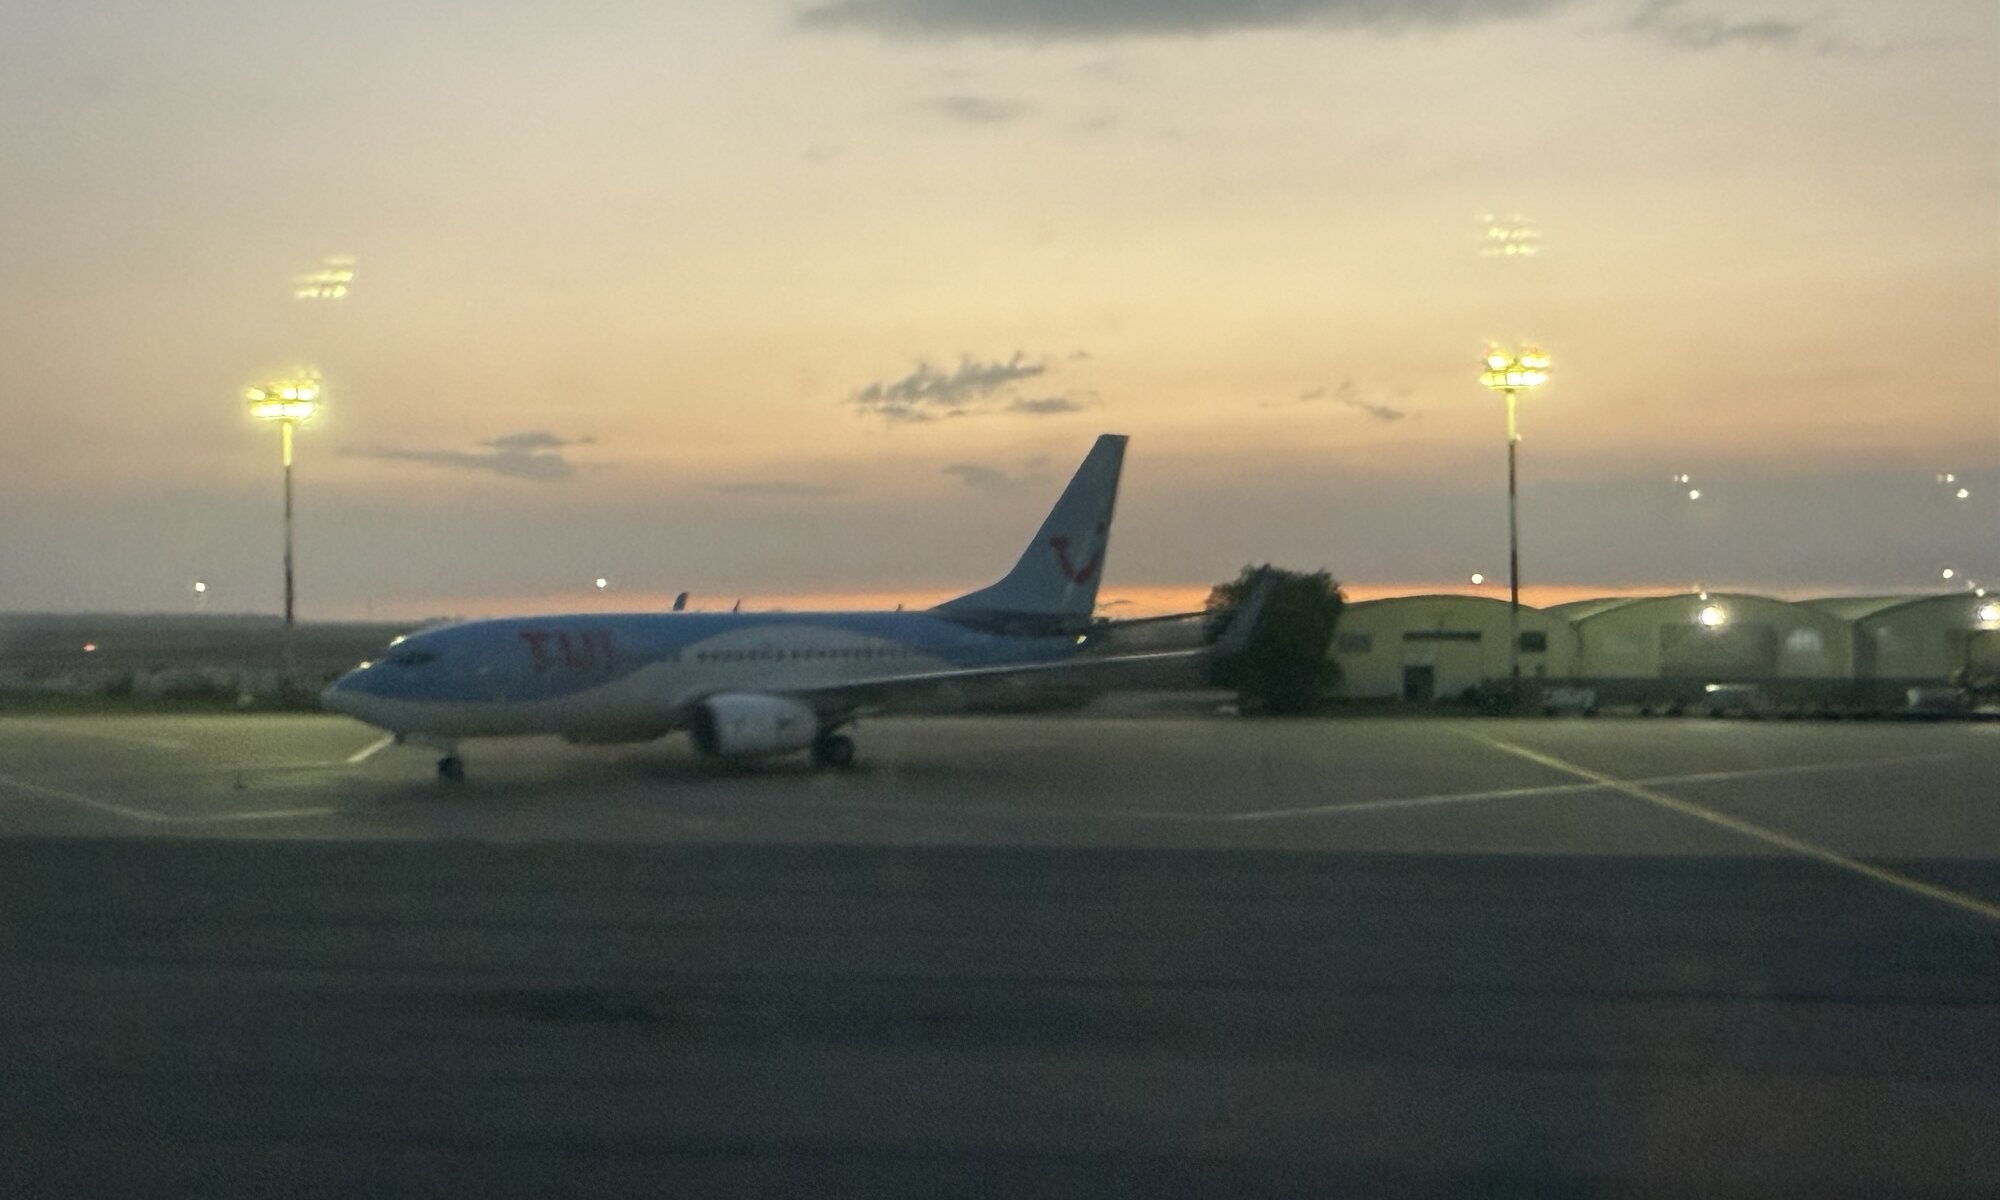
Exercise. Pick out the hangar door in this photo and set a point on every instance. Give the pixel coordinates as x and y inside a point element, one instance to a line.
<point>1977,654</point>
<point>1721,653</point>
<point>1440,662</point>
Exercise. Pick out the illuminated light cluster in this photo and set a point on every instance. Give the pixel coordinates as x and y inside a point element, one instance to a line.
<point>1511,236</point>
<point>294,399</point>
<point>1989,613</point>
<point>1511,372</point>
<point>1712,617</point>
<point>331,282</point>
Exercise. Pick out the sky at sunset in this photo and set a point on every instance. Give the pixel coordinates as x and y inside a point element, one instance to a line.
<point>820,301</point>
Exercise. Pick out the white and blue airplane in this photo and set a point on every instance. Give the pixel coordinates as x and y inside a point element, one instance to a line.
<point>746,685</point>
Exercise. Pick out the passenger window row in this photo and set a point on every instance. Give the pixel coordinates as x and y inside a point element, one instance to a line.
<point>769,655</point>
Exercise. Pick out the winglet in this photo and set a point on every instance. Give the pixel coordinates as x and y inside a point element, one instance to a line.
<point>1250,614</point>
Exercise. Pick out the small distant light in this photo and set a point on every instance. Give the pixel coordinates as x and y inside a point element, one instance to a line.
<point>1712,616</point>
<point>1948,573</point>
<point>1694,493</point>
<point>200,587</point>
<point>1962,493</point>
<point>1947,477</point>
<point>602,583</point>
<point>1478,579</point>
<point>90,647</point>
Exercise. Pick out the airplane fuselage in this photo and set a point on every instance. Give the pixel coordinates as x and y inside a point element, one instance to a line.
<point>639,675</point>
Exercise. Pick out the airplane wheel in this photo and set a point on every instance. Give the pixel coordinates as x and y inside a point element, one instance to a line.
<point>833,750</point>
<point>451,768</point>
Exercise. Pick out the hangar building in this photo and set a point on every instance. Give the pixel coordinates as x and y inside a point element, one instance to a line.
<point>1899,642</point>
<point>1423,648</point>
<point>1684,643</point>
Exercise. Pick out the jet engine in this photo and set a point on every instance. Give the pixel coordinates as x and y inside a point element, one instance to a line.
<point>745,724</point>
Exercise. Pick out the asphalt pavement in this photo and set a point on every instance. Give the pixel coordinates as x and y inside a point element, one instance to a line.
<point>1029,956</point>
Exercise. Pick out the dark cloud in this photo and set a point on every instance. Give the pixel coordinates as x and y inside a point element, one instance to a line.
<point>534,454</point>
<point>983,478</point>
<point>1046,406</point>
<point>976,110</point>
<point>927,393</point>
<point>774,487</point>
<point>1048,20</point>
<point>1347,395</point>
<point>1671,21</point>
<point>980,478</point>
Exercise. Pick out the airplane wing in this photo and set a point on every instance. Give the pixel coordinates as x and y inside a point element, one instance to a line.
<point>950,690</point>
<point>931,691</point>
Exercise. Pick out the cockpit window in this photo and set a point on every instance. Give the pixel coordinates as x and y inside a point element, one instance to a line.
<point>411,658</point>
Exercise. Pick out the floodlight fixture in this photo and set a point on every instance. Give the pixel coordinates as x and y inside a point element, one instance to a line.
<point>331,282</point>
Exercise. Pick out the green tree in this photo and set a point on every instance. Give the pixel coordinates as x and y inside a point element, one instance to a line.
<point>1284,669</point>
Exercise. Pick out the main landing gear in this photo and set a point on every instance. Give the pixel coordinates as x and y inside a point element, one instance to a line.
<point>832,749</point>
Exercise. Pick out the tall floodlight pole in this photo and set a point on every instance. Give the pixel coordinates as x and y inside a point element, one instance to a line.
<point>288,402</point>
<point>1508,373</point>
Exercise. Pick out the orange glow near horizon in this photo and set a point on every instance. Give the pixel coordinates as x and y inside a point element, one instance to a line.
<point>1113,602</point>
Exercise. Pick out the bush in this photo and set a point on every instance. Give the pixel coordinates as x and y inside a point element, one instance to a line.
<point>1285,668</point>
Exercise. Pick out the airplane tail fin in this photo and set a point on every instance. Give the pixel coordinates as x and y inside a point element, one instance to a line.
<point>1054,585</point>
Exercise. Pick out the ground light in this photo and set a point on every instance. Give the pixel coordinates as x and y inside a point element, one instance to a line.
<point>1508,373</point>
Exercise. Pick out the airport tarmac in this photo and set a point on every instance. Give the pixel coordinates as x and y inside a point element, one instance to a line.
<point>1040,955</point>
<point>1563,786</point>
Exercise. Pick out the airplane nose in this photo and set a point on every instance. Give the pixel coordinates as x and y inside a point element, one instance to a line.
<point>341,695</point>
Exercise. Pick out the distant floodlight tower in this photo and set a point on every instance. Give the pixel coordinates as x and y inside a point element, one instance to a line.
<point>287,401</point>
<point>1511,236</point>
<point>1508,373</point>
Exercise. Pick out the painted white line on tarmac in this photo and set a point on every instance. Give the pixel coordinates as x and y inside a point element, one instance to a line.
<point>64,729</point>
<point>1342,808</point>
<point>158,818</point>
<point>1749,829</point>
<point>371,750</point>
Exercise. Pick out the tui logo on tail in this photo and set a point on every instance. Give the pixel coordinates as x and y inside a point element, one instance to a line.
<point>1071,572</point>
